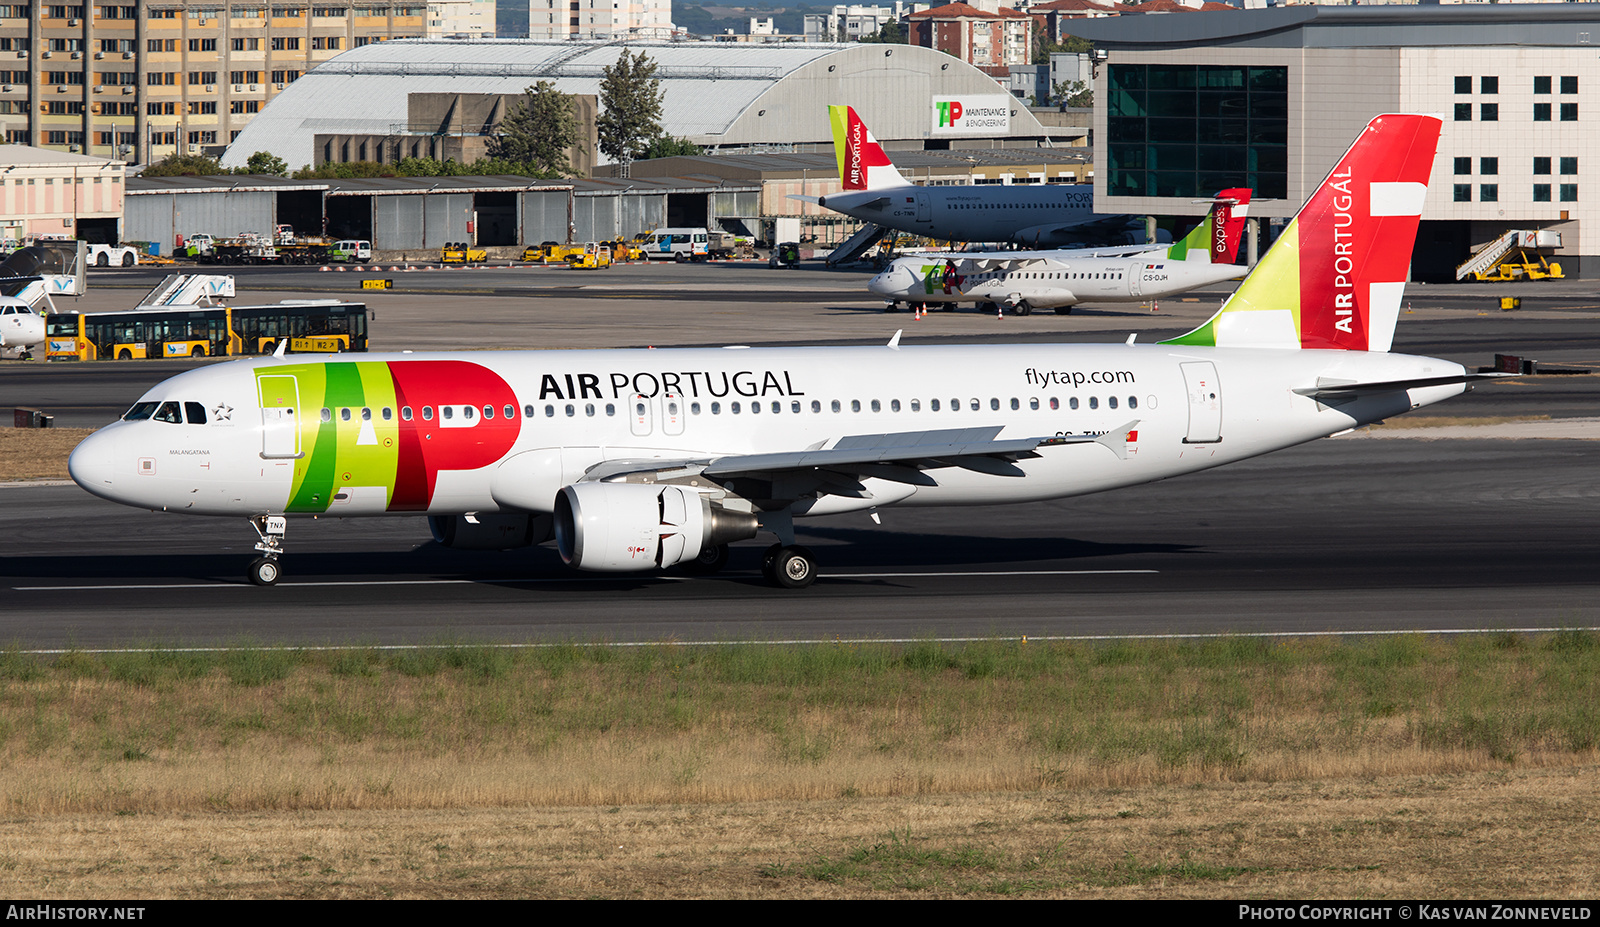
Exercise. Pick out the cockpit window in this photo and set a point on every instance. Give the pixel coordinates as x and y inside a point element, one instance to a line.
<point>139,412</point>
<point>196,413</point>
<point>169,413</point>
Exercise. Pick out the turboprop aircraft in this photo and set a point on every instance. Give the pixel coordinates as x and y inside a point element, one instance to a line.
<point>1023,281</point>
<point>640,460</point>
<point>1036,215</point>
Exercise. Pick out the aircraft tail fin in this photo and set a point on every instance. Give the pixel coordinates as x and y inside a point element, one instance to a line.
<point>1335,277</point>
<point>863,164</point>
<point>1216,239</point>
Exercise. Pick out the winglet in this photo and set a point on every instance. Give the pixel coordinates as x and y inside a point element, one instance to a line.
<point>863,164</point>
<point>894,343</point>
<point>1335,277</point>
<point>1117,439</point>
<point>282,349</point>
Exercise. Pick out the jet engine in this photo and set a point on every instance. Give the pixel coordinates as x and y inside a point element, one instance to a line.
<point>620,527</point>
<point>490,532</point>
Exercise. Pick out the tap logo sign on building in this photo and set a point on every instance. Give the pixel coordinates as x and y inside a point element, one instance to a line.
<point>983,114</point>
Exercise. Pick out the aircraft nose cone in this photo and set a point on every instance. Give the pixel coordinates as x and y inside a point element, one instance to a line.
<point>93,463</point>
<point>891,282</point>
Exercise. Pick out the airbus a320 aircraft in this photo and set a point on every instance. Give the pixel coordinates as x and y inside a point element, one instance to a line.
<point>1035,215</point>
<point>639,460</point>
<point>1023,281</point>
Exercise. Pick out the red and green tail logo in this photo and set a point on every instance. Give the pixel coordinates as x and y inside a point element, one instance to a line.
<point>1335,277</point>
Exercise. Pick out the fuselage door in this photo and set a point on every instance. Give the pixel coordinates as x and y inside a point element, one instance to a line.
<point>639,412</point>
<point>923,210</point>
<point>671,413</point>
<point>280,416</point>
<point>1205,402</point>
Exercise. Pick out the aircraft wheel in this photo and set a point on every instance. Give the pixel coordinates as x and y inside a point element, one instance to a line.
<point>1023,308</point>
<point>794,567</point>
<point>711,560</point>
<point>264,571</point>
<point>1063,310</point>
<point>893,306</point>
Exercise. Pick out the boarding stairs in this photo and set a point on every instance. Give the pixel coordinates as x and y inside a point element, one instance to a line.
<point>190,290</point>
<point>857,245</point>
<point>1528,244</point>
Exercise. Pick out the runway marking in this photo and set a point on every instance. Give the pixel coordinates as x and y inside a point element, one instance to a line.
<point>576,579</point>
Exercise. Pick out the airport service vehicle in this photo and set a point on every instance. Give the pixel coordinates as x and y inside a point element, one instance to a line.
<point>113,255</point>
<point>351,250</point>
<point>680,245</point>
<point>1034,215</point>
<point>461,252</point>
<point>641,460</point>
<point>321,326</point>
<point>593,257</point>
<point>1023,281</point>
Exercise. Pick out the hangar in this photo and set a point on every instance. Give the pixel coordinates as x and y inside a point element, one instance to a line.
<point>723,96</point>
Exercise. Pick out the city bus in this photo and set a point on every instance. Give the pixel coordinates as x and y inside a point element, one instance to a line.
<point>322,326</point>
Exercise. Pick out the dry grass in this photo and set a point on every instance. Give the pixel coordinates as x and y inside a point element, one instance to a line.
<point>1399,767</point>
<point>37,453</point>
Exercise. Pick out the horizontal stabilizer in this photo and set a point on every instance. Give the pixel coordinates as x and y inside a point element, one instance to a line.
<point>1327,389</point>
<point>804,199</point>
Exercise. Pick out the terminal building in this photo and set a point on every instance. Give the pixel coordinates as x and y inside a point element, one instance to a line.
<point>1271,98</point>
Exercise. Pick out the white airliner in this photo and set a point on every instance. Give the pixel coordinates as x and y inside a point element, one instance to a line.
<point>20,327</point>
<point>639,460</point>
<point>29,277</point>
<point>1035,215</point>
<point>1023,281</point>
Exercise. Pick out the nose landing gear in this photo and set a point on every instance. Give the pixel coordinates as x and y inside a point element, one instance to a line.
<point>265,570</point>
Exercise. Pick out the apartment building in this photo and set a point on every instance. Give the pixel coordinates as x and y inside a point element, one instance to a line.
<point>599,19</point>
<point>138,82</point>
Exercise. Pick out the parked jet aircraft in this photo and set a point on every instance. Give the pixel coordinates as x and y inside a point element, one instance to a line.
<point>30,276</point>
<point>1023,281</point>
<point>1036,215</point>
<point>640,460</point>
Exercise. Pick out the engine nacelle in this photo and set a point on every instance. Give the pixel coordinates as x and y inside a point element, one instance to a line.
<point>490,532</point>
<point>624,527</point>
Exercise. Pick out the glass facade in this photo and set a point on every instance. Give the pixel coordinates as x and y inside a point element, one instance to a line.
<point>1191,130</point>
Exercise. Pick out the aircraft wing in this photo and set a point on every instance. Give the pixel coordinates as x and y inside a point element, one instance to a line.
<point>1095,229</point>
<point>902,457</point>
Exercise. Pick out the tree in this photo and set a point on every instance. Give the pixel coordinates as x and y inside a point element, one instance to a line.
<point>665,146</point>
<point>630,101</point>
<point>892,33</point>
<point>1042,47</point>
<point>540,130</point>
<point>176,165</point>
<point>265,162</point>
<point>1075,93</point>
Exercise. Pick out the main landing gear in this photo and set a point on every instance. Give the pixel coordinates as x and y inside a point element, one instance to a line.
<point>265,570</point>
<point>789,566</point>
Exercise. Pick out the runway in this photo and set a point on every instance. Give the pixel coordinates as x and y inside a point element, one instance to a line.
<point>1342,535</point>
